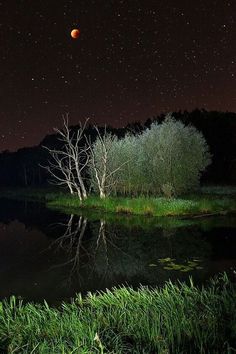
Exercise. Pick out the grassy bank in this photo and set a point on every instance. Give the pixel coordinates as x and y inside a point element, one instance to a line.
<point>175,319</point>
<point>194,205</point>
<point>210,201</point>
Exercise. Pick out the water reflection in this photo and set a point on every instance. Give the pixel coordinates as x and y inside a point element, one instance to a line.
<point>47,254</point>
<point>117,255</point>
<point>71,242</point>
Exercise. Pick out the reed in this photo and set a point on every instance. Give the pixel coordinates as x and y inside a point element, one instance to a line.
<point>177,318</point>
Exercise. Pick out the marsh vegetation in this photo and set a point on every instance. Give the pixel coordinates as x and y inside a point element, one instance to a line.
<point>176,318</point>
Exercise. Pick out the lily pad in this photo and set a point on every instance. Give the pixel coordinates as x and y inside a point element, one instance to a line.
<point>186,269</point>
<point>165,260</point>
<point>176,266</point>
<point>192,264</point>
<point>187,266</point>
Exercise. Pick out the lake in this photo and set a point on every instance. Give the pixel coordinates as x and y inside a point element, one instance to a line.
<point>48,254</point>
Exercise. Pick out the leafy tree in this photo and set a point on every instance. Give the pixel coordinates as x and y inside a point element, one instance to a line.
<point>174,156</point>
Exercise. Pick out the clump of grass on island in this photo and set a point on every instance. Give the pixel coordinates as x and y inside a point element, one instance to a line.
<point>174,319</point>
<point>150,206</point>
<point>211,200</point>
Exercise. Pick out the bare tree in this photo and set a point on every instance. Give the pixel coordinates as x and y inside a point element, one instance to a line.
<point>68,162</point>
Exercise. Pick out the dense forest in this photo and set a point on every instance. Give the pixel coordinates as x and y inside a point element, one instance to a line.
<point>22,168</point>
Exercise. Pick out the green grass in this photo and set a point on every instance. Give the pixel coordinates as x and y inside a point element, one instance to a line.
<point>220,200</point>
<point>150,206</point>
<point>174,319</point>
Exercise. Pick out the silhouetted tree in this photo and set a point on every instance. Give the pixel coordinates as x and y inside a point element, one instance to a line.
<point>66,164</point>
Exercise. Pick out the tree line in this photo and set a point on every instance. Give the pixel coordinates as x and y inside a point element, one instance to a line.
<point>165,159</point>
<point>22,168</point>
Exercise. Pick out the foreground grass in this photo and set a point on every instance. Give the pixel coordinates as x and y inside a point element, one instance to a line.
<point>211,200</point>
<point>175,319</point>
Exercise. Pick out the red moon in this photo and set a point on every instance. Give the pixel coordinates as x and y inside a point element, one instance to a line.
<point>75,33</point>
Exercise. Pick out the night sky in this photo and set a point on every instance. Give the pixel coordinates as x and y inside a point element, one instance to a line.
<point>133,60</point>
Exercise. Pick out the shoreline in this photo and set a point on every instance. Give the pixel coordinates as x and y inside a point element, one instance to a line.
<point>190,206</point>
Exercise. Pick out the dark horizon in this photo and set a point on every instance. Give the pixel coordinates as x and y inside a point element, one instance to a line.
<point>90,122</point>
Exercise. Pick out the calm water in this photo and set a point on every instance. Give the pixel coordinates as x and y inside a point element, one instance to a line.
<point>49,255</point>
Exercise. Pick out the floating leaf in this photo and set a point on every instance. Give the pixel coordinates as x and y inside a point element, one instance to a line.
<point>192,264</point>
<point>152,265</point>
<point>176,266</point>
<point>165,260</point>
<point>186,269</point>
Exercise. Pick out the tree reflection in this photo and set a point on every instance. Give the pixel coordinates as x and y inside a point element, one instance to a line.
<point>71,242</point>
<point>101,253</point>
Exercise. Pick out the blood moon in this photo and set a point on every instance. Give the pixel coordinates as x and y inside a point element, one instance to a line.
<point>75,33</point>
